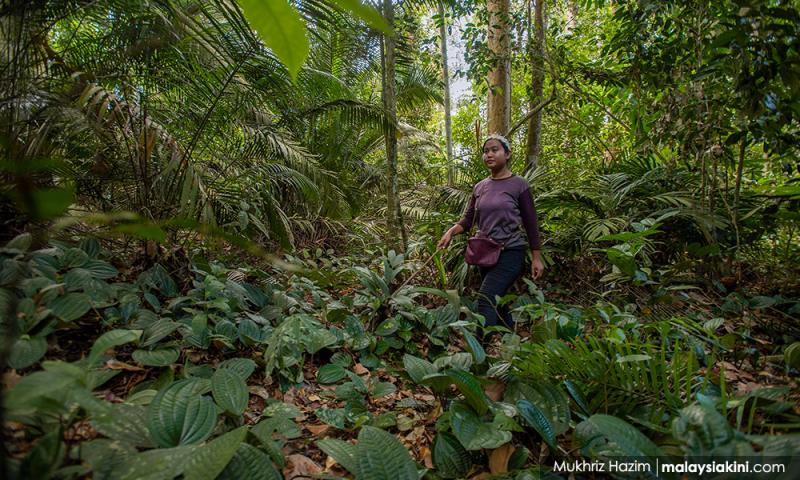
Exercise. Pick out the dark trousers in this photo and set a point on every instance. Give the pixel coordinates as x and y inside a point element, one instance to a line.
<point>496,281</point>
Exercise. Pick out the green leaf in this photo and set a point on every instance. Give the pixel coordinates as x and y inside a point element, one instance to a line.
<point>469,386</point>
<point>125,423</point>
<point>73,258</point>
<point>418,368</point>
<point>474,347</point>
<point>330,373</point>
<point>71,306</point>
<point>387,327</point>
<point>282,30</point>
<point>51,202</point>
<point>334,417</point>
<point>36,387</point>
<point>157,331</point>
<point>91,246</point>
<point>161,357</point>
<point>624,439</point>
<point>106,457</point>
<point>250,463</point>
<point>26,351</point>
<point>372,17</point>
<point>101,270</point>
<point>210,459</point>
<point>449,457</point>
<point>342,359</point>
<point>383,389</point>
<point>157,464</point>
<point>112,338</point>
<point>179,416</point>
<point>229,391</point>
<point>143,230</point>
<point>472,432</point>
<point>44,458</point>
<point>539,421</point>
<point>243,367</point>
<point>20,243</point>
<point>345,454</point>
<point>382,457</point>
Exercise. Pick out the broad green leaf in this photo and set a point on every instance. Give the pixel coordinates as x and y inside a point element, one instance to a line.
<point>382,457</point>
<point>26,351</point>
<point>143,230</point>
<point>371,16</point>
<point>125,423</point>
<point>180,416</point>
<point>387,327</point>
<point>78,279</point>
<point>72,258</point>
<point>472,432</point>
<point>474,347</point>
<point>229,391</point>
<point>106,457</point>
<point>470,387</point>
<point>157,331</point>
<point>345,454</point>
<point>334,417</point>
<point>51,202</point>
<point>91,246</point>
<point>449,457</point>
<point>110,339</point>
<point>45,457</point>
<point>20,243</point>
<point>250,463</point>
<point>71,306</point>
<point>157,464</point>
<point>383,389</point>
<point>210,460</point>
<point>330,373</point>
<point>342,359</point>
<point>417,368</point>
<point>161,357</point>
<point>35,387</point>
<point>243,367</point>
<point>101,270</point>
<point>539,421</point>
<point>282,30</point>
<point>624,439</point>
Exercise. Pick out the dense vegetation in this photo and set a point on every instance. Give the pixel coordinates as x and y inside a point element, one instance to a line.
<point>220,222</point>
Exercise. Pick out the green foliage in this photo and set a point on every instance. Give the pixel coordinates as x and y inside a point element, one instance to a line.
<point>377,456</point>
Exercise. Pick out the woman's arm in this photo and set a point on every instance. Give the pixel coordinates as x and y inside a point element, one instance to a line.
<point>463,225</point>
<point>527,211</point>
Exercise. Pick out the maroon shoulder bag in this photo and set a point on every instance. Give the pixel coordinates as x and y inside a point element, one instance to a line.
<point>482,251</point>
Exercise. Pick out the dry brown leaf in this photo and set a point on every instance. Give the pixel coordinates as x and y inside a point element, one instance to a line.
<point>481,476</point>
<point>495,391</point>
<point>10,379</point>
<point>115,364</point>
<point>330,463</point>
<point>498,459</point>
<point>259,391</point>
<point>427,459</point>
<point>300,466</point>
<point>318,429</point>
<point>359,369</point>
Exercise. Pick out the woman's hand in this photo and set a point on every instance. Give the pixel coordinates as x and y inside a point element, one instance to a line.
<point>448,236</point>
<point>445,240</point>
<point>537,267</point>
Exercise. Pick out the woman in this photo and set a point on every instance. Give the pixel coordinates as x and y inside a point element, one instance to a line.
<point>503,204</point>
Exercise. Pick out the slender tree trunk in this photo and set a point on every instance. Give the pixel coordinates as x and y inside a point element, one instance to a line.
<point>499,78</point>
<point>533,148</point>
<point>394,226</point>
<point>448,127</point>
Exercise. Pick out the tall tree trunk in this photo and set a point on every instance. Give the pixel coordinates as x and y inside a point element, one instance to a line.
<point>448,127</point>
<point>499,36</point>
<point>394,224</point>
<point>533,148</point>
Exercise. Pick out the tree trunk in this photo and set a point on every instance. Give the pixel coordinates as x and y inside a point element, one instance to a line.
<point>499,78</point>
<point>533,148</point>
<point>448,127</point>
<point>394,226</point>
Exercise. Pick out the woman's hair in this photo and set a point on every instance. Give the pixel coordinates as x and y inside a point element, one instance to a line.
<point>503,141</point>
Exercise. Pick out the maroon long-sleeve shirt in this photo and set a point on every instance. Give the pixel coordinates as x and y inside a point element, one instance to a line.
<point>503,208</point>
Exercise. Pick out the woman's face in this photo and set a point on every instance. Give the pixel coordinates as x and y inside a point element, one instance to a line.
<point>494,156</point>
